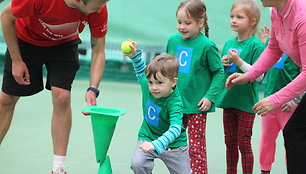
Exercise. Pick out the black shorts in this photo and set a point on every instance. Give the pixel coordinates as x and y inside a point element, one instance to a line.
<point>61,62</point>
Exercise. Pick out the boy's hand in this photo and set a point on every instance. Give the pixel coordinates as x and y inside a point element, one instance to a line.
<point>133,47</point>
<point>204,104</point>
<point>146,147</point>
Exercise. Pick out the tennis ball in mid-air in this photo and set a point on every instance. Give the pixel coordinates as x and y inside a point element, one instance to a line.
<point>125,47</point>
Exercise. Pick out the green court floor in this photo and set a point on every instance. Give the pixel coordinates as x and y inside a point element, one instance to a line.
<point>27,148</point>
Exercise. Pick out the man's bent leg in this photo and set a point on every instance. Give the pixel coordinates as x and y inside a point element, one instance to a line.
<point>61,120</point>
<point>7,106</point>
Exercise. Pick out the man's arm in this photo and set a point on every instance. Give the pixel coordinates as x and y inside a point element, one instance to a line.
<point>20,71</point>
<point>96,68</point>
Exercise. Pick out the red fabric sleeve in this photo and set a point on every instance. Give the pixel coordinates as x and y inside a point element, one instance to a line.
<point>98,23</point>
<point>24,8</point>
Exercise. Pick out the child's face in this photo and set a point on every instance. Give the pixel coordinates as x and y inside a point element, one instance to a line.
<point>239,20</point>
<point>162,86</point>
<point>188,27</point>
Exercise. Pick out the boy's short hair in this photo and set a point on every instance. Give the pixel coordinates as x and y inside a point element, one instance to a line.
<point>166,64</point>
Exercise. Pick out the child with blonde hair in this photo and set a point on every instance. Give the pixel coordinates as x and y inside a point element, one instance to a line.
<point>288,26</point>
<point>238,55</point>
<point>200,76</point>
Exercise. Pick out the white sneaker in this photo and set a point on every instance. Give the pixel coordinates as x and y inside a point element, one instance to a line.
<point>60,170</point>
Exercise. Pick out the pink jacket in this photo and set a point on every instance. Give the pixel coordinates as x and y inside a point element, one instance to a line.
<point>288,35</point>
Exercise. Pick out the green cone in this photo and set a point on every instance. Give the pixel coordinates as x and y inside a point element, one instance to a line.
<point>103,120</point>
<point>105,167</point>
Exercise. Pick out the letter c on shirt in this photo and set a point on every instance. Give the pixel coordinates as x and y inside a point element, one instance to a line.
<point>149,112</point>
<point>180,58</point>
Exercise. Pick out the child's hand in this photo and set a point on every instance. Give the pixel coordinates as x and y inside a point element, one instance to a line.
<point>233,57</point>
<point>204,104</point>
<point>264,34</point>
<point>146,147</point>
<point>225,60</point>
<point>133,47</point>
<point>287,107</point>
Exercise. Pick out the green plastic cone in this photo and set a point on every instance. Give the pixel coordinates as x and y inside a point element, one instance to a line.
<point>105,167</point>
<point>103,120</point>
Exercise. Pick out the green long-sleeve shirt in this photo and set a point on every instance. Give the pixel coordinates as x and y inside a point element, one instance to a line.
<point>241,97</point>
<point>200,70</point>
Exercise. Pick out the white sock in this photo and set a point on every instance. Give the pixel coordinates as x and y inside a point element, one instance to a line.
<point>58,161</point>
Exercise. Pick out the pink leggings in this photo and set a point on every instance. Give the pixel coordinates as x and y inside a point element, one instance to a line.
<point>271,124</point>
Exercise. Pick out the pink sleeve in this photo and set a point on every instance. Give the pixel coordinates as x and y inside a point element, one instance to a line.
<point>298,85</point>
<point>267,59</point>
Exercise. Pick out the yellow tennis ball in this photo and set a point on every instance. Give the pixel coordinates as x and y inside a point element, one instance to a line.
<point>125,47</point>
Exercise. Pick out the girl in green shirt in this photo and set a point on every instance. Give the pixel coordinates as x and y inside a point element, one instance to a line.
<point>200,76</point>
<point>239,53</point>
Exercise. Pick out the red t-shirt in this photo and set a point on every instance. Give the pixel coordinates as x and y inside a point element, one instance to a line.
<point>52,22</point>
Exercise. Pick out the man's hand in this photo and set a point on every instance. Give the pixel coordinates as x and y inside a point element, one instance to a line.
<point>91,100</point>
<point>20,72</point>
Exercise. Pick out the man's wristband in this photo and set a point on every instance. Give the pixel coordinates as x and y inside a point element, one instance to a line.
<point>95,90</point>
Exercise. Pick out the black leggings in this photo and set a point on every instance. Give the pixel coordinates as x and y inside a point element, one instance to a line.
<point>295,140</point>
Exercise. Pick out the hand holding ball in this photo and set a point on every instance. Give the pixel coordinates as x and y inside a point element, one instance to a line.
<point>125,47</point>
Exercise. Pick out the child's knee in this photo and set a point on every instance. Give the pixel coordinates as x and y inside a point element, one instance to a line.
<point>245,147</point>
<point>230,143</point>
<point>140,165</point>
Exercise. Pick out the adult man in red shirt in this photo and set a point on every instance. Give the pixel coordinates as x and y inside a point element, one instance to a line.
<point>45,32</point>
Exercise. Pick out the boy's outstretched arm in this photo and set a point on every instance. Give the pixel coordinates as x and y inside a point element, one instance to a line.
<point>138,63</point>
